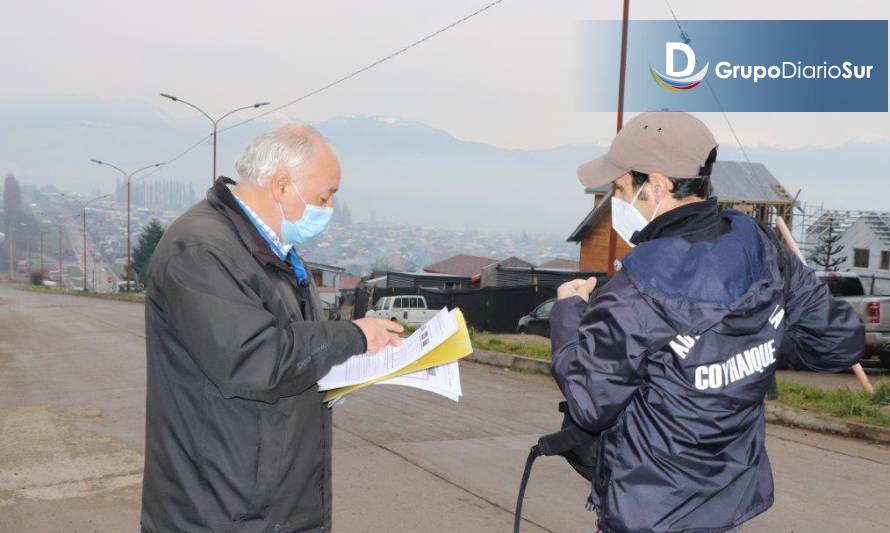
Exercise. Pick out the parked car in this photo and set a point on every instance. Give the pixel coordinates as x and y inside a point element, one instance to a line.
<point>407,310</point>
<point>127,286</point>
<point>538,321</point>
<point>874,310</point>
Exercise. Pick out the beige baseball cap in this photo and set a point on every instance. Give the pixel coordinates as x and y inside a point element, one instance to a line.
<point>671,143</point>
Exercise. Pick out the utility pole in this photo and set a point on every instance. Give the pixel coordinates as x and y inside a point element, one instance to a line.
<point>613,243</point>
<point>84,251</point>
<point>215,122</point>
<point>60,255</point>
<point>11,238</point>
<point>42,272</point>
<point>83,214</point>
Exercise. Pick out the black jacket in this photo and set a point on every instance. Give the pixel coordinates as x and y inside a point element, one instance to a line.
<point>671,361</point>
<point>237,437</point>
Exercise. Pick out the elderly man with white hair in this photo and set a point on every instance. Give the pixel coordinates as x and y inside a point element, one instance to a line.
<point>237,437</point>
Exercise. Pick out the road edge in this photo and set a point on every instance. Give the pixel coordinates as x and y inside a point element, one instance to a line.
<point>775,413</point>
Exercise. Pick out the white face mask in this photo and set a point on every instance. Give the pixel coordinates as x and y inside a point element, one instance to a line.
<point>626,219</point>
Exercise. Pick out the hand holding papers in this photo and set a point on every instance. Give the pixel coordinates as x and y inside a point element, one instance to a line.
<point>442,340</point>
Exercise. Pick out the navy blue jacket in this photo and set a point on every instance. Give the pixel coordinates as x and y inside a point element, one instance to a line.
<point>671,361</point>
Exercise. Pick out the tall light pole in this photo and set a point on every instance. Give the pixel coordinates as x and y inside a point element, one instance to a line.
<point>11,238</point>
<point>214,121</point>
<point>127,176</point>
<point>83,206</point>
<point>60,246</point>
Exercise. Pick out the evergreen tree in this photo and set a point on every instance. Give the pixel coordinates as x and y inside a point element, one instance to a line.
<point>827,252</point>
<point>148,241</point>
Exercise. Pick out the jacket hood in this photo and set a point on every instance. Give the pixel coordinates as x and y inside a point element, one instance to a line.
<point>730,283</point>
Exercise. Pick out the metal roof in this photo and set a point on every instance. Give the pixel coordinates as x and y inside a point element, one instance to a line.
<point>460,265</point>
<point>739,181</point>
<point>877,221</point>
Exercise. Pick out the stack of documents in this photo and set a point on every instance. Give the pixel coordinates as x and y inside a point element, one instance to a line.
<point>426,360</point>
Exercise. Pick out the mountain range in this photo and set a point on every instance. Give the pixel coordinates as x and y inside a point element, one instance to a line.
<point>399,171</point>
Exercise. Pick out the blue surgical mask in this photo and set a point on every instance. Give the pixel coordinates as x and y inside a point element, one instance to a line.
<point>314,221</point>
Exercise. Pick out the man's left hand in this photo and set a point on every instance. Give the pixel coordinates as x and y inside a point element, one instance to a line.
<point>576,287</point>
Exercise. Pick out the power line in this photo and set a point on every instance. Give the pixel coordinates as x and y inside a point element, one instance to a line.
<point>332,84</point>
<point>687,40</point>
<point>177,157</point>
<point>368,66</point>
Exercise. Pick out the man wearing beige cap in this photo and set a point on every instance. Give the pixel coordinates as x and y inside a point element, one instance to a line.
<point>670,361</point>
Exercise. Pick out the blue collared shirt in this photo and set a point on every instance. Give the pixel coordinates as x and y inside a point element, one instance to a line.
<point>285,252</point>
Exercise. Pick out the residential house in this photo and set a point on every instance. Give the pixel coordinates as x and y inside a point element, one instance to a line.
<point>561,263</point>
<point>327,279</point>
<point>426,280</point>
<point>460,265</point>
<point>490,275</point>
<point>865,237</point>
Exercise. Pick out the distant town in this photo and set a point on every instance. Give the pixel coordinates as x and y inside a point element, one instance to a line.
<point>359,248</point>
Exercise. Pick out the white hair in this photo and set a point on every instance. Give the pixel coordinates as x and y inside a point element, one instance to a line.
<point>285,148</point>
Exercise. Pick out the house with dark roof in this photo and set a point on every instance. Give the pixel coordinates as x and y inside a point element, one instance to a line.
<point>427,280</point>
<point>460,265</point>
<point>747,187</point>
<point>561,263</point>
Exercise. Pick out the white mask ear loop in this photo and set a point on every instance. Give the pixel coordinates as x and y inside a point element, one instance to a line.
<point>657,207</point>
<point>638,194</point>
<point>297,190</point>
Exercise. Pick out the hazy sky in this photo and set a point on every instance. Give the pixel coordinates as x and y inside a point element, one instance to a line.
<point>504,78</point>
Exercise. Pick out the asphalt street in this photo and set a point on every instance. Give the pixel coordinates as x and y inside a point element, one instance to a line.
<point>72,392</point>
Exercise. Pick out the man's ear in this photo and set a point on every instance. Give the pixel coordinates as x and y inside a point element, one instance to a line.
<point>662,187</point>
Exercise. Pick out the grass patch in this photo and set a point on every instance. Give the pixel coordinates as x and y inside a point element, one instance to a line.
<point>119,296</point>
<point>538,349</point>
<point>842,403</point>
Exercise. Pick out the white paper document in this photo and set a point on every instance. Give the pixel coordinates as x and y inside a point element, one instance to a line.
<point>369,366</point>
<point>442,379</point>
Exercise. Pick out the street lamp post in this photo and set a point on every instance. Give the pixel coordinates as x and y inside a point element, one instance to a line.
<point>60,247</point>
<point>127,177</point>
<point>11,239</point>
<point>214,121</point>
<point>83,206</point>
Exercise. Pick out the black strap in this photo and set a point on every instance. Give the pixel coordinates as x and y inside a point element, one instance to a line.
<point>533,454</point>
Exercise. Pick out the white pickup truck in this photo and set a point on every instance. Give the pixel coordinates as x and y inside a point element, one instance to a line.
<point>874,310</point>
<point>407,310</point>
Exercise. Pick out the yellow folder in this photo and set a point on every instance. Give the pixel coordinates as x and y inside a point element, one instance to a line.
<point>453,348</point>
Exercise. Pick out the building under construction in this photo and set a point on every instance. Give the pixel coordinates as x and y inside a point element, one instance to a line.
<point>747,187</point>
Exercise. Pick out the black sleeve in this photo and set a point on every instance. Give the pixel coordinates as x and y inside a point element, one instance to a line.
<point>236,341</point>
<point>822,333</point>
<point>598,348</point>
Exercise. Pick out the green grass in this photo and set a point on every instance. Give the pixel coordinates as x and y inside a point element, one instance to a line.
<point>119,296</point>
<point>842,403</point>
<point>538,349</point>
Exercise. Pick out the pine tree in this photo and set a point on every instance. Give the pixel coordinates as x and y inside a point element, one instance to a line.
<point>826,255</point>
<point>148,241</point>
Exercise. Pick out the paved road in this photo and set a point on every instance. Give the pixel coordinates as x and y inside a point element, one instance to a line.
<point>71,430</point>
